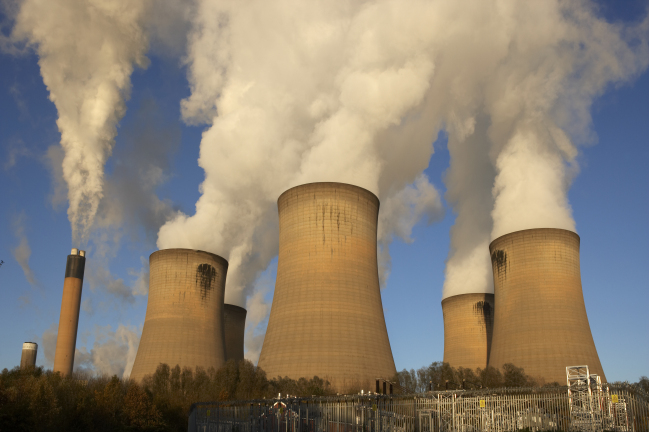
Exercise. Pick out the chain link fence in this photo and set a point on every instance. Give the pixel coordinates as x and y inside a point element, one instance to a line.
<point>613,408</point>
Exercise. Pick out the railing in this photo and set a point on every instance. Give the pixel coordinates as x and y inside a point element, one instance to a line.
<point>615,408</point>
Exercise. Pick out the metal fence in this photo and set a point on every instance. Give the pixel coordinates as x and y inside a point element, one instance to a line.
<point>613,408</point>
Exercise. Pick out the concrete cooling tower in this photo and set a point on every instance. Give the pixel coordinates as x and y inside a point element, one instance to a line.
<point>28,357</point>
<point>327,317</point>
<point>234,321</point>
<point>184,316</point>
<point>468,328</point>
<point>66,338</point>
<point>540,322</point>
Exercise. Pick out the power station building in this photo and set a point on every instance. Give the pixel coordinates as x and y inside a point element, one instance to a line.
<point>66,338</point>
<point>540,321</point>
<point>468,329</point>
<point>327,316</point>
<point>184,317</point>
<point>234,321</point>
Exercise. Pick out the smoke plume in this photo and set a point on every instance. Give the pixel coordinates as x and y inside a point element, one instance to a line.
<point>23,252</point>
<point>356,92</point>
<point>112,353</point>
<point>87,51</point>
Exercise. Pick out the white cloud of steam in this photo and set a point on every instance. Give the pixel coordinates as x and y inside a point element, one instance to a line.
<point>141,284</point>
<point>48,344</point>
<point>87,51</point>
<point>469,181</point>
<point>112,353</point>
<point>258,309</point>
<point>398,215</point>
<point>142,164</point>
<point>297,92</point>
<point>100,278</point>
<point>54,161</point>
<point>23,252</point>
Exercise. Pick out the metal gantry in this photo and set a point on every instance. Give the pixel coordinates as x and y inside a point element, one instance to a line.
<point>612,408</point>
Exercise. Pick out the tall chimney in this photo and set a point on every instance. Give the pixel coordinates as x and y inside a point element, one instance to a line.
<point>184,314</point>
<point>234,321</point>
<point>28,357</point>
<point>327,316</point>
<point>69,320</point>
<point>468,329</point>
<point>540,322</point>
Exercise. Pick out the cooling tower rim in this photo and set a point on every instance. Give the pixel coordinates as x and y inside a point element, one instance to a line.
<point>531,230</point>
<point>234,307</point>
<point>457,296</point>
<point>196,251</point>
<point>336,184</point>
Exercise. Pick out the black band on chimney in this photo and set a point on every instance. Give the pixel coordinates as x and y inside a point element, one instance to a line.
<point>75,266</point>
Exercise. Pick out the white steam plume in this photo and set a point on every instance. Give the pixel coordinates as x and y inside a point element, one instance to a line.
<point>87,51</point>
<point>293,94</point>
<point>356,92</point>
<point>113,352</point>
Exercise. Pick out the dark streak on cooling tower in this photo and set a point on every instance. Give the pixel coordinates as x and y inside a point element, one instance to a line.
<point>468,329</point>
<point>484,309</point>
<point>499,258</point>
<point>205,276</point>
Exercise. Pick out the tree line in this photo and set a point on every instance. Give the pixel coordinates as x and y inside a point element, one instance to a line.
<point>40,400</point>
<point>440,376</point>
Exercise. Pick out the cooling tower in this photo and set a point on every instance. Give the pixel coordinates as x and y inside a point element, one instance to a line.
<point>66,338</point>
<point>28,357</point>
<point>184,315</point>
<point>540,322</point>
<point>468,328</point>
<point>234,321</point>
<point>327,317</point>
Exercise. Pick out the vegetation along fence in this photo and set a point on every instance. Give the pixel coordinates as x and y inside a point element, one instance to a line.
<point>611,408</point>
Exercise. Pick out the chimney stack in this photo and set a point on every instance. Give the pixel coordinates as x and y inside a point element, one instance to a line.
<point>69,321</point>
<point>28,357</point>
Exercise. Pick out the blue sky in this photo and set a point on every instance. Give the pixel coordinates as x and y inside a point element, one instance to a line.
<point>609,199</point>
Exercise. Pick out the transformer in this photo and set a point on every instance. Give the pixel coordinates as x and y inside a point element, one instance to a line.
<point>28,356</point>
<point>326,318</point>
<point>184,316</point>
<point>66,338</point>
<point>234,321</point>
<point>468,329</point>
<point>540,321</point>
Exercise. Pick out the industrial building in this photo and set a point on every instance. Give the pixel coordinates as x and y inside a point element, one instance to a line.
<point>327,317</point>
<point>234,321</point>
<point>66,338</point>
<point>540,321</point>
<point>184,317</point>
<point>468,329</point>
<point>28,355</point>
